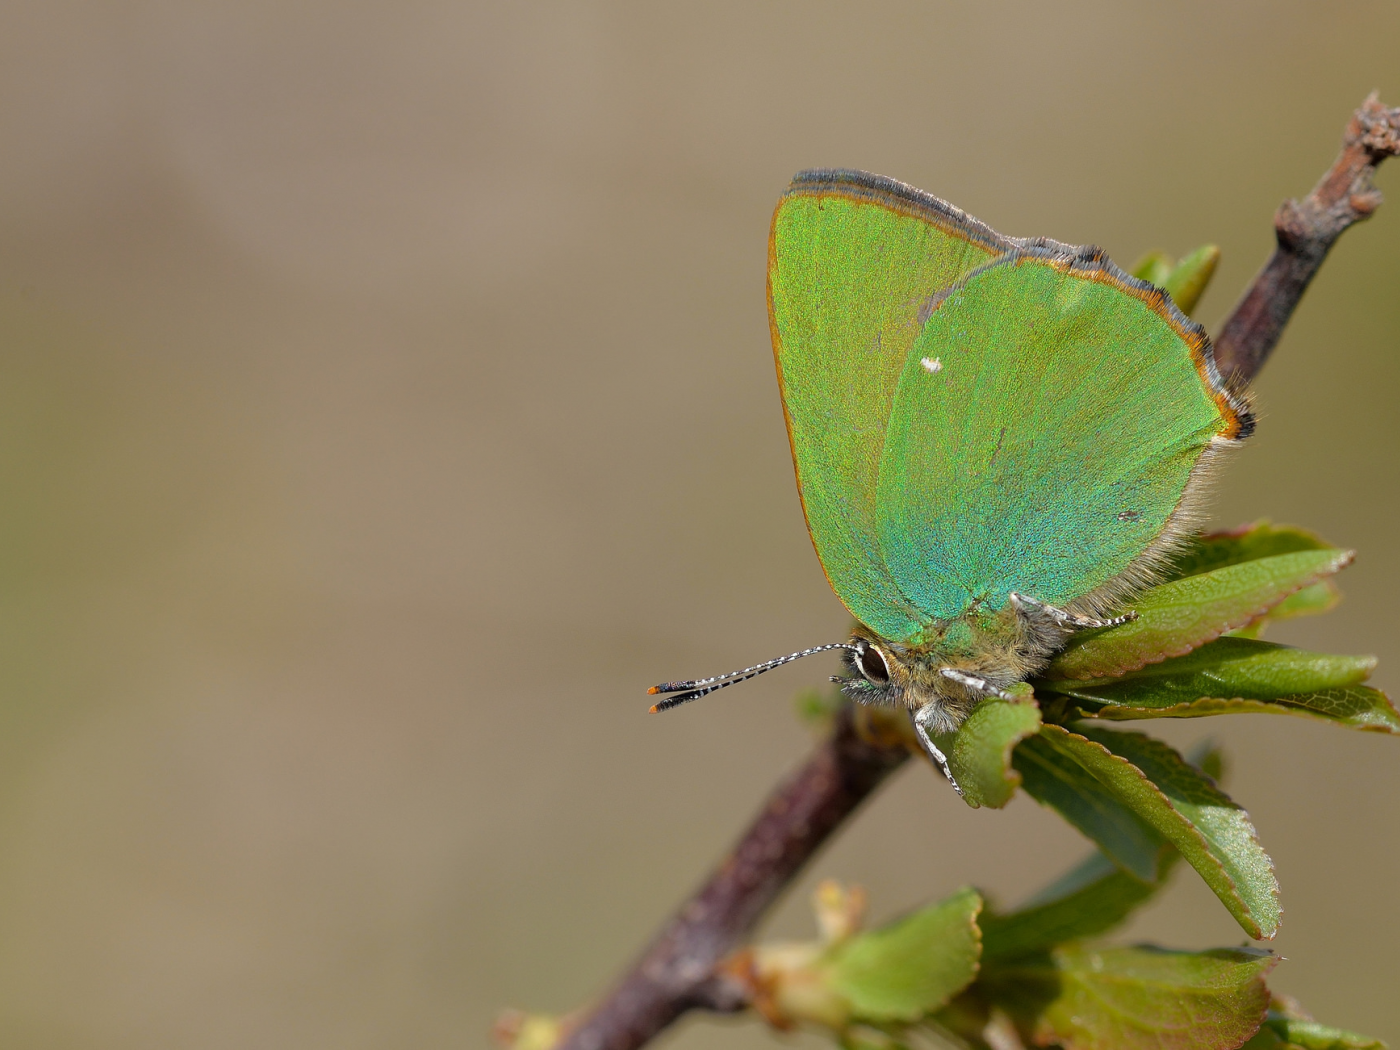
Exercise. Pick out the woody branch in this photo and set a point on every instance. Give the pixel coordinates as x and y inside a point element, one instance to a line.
<point>1306,231</point>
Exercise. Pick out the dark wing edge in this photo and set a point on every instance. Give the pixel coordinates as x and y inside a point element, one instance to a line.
<point>1092,262</point>
<point>902,199</point>
<point>1233,403</point>
<point>898,197</point>
<point>1089,260</point>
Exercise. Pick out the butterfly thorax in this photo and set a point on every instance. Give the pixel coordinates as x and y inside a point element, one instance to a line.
<point>986,652</point>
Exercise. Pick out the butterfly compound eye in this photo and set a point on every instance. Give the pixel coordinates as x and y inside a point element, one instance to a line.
<point>872,665</point>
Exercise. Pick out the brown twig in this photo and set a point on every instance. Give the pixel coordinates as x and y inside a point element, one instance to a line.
<point>1306,231</point>
<point>678,972</point>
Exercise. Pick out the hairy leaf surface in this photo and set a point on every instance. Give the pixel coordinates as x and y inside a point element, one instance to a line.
<point>912,967</point>
<point>1239,675</point>
<point>1054,776</point>
<point>1093,897</point>
<point>1182,615</point>
<point>1179,804</point>
<point>979,753</point>
<point>1285,1033</point>
<point>1131,998</point>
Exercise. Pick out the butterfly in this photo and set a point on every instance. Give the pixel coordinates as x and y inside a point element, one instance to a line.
<point>998,442</point>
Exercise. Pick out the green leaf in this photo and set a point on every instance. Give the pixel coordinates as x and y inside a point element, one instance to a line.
<point>1186,613</point>
<point>1130,998</point>
<point>1154,267</point>
<point>1209,759</point>
<point>979,753</point>
<point>1262,539</point>
<point>1184,807</point>
<point>1092,898</point>
<point>860,1038</point>
<point>1188,279</point>
<point>1054,777</point>
<point>1237,676</point>
<point>1359,707</point>
<point>912,967</point>
<point>1284,1033</point>
<point>817,707</point>
<point>1225,667</point>
<point>1310,601</point>
<point>1183,281</point>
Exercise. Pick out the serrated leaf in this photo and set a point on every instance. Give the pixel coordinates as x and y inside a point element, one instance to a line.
<point>1131,998</point>
<point>912,967</point>
<point>1092,898</point>
<point>1182,806</point>
<point>1053,777</point>
<point>1321,597</point>
<point>1283,1033</point>
<point>1261,539</point>
<point>1225,667</point>
<point>1359,707</point>
<point>979,753</point>
<point>1188,279</point>
<point>1182,615</point>
<point>1237,676</point>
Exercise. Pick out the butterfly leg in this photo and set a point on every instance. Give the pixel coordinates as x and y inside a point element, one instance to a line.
<point>975,682</point>
<point>1071,621</point>
<point>921,719</point>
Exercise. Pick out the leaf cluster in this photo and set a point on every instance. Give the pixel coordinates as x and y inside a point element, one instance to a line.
<point>961,972</point>
<point>1031,977</point>
<point>1193,651</point>
<point>958,972</point>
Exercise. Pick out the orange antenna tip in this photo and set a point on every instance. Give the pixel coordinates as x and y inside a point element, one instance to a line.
<point>653,691</point>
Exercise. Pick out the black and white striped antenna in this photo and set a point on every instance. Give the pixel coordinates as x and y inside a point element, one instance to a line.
<point>698,687</point>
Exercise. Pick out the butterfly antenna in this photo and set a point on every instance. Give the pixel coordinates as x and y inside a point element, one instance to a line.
<point>698,687</point>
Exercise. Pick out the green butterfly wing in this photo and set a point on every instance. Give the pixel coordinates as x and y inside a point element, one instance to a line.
<point>1046,425</point>
<point>854,264</point>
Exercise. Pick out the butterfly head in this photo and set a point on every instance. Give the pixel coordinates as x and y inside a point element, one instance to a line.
<point>874,672</point>
<point>959,665</point>
<point>947,672</point>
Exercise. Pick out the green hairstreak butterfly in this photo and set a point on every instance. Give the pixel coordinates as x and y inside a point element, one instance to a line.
<point>997,441</point>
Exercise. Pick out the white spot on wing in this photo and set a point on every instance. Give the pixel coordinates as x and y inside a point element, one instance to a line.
<point>932,364</point>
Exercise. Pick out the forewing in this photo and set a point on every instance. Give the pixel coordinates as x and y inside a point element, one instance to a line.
<point>855,262</point>
<point>1046,424</point>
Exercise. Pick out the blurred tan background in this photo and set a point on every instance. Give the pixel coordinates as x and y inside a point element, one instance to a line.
<point>386,401</point>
